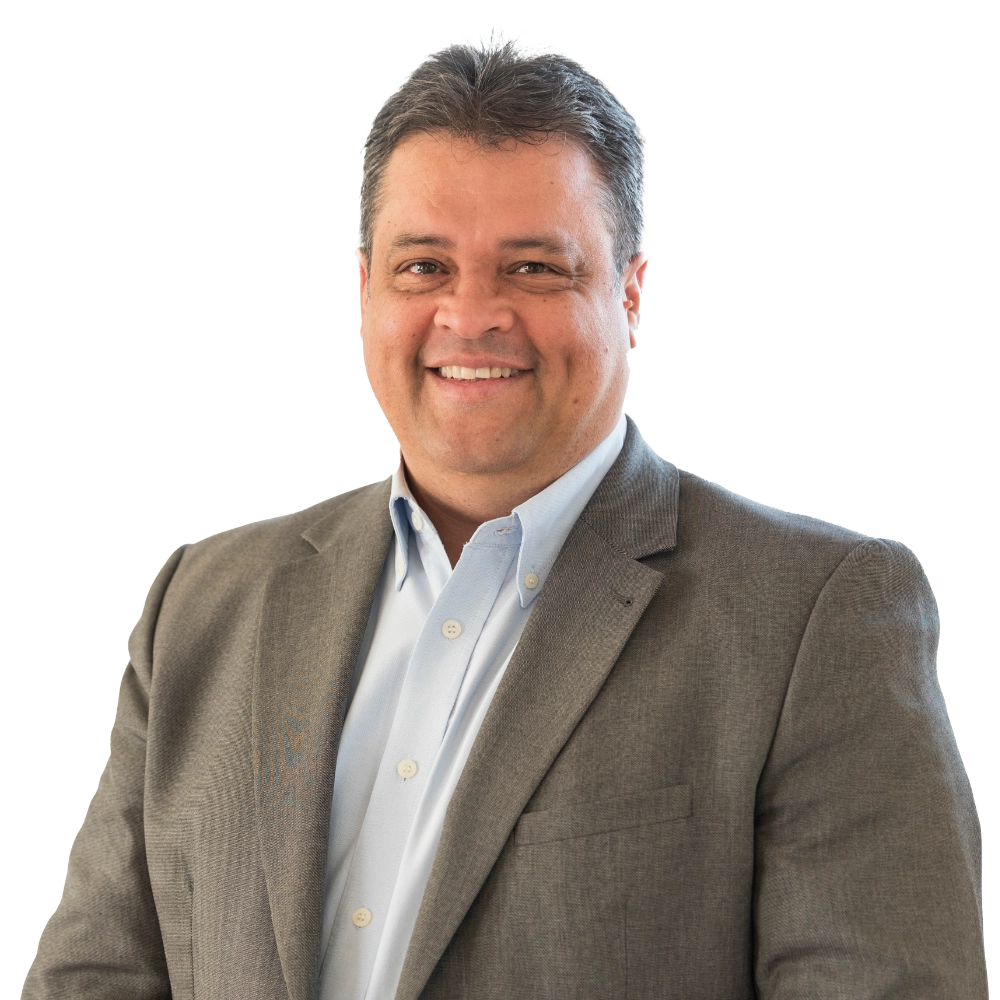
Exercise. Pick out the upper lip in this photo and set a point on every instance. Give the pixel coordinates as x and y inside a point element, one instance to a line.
<point>479,363</point>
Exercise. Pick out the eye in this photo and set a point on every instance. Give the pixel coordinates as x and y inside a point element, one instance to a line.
<point>423,267</point>
<point>531,267</point>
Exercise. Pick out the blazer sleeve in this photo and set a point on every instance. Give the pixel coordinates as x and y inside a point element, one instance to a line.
<point>867,875</point>
<point>104,938</point>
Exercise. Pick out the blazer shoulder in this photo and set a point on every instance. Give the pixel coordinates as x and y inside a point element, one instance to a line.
<point>274,540</point>
<point>704,500</point>
<point>218,583</point>
<point>718,519</point>
<point>256,548</point>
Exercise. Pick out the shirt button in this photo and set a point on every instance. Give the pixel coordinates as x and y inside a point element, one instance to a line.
<point>531,581</point>
<point>406,768</point>
<point>361,917</point>
<point>417,521</point>
<point>399,564</point>
<point>451,629</point>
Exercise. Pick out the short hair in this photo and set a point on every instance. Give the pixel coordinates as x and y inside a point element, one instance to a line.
<point>493,94</point>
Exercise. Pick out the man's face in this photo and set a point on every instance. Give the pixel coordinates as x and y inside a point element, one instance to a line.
<point>485,261</point>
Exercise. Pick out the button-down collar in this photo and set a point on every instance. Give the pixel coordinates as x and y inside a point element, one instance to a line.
<point>539,526</point>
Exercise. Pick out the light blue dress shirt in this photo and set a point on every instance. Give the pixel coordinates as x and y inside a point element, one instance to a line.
<point>438,643</point>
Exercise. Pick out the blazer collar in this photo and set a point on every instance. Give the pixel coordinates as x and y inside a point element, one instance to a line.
<point>634,508</point>
<point>314,614</point>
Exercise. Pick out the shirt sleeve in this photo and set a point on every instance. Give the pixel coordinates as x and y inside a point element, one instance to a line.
<point>104,938</point>
<point>867,851</point>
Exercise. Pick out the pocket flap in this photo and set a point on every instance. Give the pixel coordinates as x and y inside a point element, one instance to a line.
<point>583,819</point>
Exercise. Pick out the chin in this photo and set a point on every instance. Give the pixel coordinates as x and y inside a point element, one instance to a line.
<point>485,452</point>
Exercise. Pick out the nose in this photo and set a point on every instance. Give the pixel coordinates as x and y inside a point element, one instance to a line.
<point>470,309</point>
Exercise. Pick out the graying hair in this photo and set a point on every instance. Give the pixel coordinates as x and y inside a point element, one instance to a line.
<point>492,94</point>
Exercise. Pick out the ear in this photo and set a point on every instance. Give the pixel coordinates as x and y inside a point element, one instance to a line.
<point>363,275</point>
<point>632,280</point>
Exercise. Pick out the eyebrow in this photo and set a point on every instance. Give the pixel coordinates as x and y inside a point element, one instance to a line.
<point>544,243</point>
<point>547,244</point>
<point>407,241</point>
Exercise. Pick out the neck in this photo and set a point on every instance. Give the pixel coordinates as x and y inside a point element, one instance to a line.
<point>458,503</point>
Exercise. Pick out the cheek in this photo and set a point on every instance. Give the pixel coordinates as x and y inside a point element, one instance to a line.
<point>561,330</point>
<point>381,357</point>
<point>414,315</point>
<point>392,330</point>
<point>598,346</point>
<point>393,333</point>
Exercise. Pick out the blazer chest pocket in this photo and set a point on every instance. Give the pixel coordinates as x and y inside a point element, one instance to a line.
<point>584,819</point>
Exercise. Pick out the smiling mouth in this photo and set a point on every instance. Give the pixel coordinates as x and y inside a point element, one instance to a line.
<point>472,374</point>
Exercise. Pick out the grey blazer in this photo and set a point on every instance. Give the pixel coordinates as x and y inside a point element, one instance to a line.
<point>718,766</point>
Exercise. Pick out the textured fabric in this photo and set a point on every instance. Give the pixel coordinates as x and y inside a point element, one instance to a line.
<point>718,765</point>
<point>421,696</point>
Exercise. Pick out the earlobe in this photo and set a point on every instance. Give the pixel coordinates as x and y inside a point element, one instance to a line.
<point>632,318</point>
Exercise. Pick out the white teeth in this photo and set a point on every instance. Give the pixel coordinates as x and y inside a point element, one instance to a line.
<point>457,371</point>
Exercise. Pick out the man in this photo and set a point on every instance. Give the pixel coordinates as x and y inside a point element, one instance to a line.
<point>540,716</point>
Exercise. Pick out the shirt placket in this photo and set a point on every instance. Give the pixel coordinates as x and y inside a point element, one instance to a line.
<point>433,680</point>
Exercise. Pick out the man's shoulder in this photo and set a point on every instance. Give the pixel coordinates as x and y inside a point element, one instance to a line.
<point>708,507</point>
<point>771,557</point>
<point>251,550</point>
<point>646,507</point>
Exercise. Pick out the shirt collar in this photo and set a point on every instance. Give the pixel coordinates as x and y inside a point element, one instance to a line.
<point>545,519</point>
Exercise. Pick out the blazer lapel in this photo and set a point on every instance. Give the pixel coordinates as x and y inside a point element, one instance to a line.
<point>314,615</point>
<point>592,600</point>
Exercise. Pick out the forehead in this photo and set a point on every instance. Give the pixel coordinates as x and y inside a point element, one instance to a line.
<point>445,182</point>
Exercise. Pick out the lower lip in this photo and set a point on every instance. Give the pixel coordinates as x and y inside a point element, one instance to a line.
<point>479,386</point>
